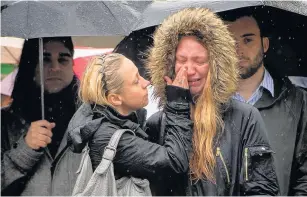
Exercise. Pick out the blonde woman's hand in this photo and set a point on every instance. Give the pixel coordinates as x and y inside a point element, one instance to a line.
<point>181,79</point>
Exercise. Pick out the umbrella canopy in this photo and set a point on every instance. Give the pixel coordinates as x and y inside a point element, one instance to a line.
<point>286,29</point>
<point>159,10</point>
<point>33,19</point>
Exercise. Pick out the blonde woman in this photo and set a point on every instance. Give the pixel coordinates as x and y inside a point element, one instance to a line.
<point>112,90</point>
<point>231,153</point>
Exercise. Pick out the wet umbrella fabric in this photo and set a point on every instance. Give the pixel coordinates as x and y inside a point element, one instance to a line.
<point>33,19</point>
<point>159,10</point>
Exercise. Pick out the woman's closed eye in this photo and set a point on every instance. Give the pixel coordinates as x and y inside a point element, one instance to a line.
<point>136,81</point>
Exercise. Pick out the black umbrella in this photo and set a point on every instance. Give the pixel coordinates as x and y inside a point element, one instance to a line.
<point>38,19</point>
<point>287,30</point>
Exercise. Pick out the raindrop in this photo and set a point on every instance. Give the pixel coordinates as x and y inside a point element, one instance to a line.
<point>260,154</point>
<point>299,65</point>
<point>131,38</point>
<point>268,11</point>
<point>50,109</point>
<point>290,38</point>
<point>126,46</point>
<point>300,59</point>
<point>279,38</point>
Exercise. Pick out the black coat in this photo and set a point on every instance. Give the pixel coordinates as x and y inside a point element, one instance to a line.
<point>285,117</point>
<point>244,158</point>
<point>135,155</point>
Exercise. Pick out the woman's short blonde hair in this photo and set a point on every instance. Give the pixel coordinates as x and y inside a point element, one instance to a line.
<point>100,78</point>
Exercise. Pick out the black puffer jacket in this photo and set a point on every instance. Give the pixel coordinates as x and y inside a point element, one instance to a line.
<point>135,155</point>
<point>244,158</point>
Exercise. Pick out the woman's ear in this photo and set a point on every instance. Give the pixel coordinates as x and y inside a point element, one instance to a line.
<point>114,99</point>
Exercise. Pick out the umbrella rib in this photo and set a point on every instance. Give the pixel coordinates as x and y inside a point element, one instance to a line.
<point>114,16</point>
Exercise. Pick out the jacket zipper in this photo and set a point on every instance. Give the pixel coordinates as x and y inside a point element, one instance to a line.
<point>246,163</point>
<point>219,154</point>
<point>55,168</point>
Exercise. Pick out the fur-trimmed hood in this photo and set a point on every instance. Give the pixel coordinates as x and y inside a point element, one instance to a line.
<point>217,40</point>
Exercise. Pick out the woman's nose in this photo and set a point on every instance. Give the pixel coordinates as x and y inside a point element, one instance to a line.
<point>146,83</point>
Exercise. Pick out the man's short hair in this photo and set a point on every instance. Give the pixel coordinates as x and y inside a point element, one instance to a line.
<point>254,12</point>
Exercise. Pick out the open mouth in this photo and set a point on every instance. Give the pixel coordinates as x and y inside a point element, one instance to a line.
<point>193,82</point>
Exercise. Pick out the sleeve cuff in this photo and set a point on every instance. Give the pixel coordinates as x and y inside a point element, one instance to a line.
<point>178,94</point>
<point>23,156</point>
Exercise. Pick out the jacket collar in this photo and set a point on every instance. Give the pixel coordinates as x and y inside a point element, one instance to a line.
<point>131,121</point>
<point>281,85</point>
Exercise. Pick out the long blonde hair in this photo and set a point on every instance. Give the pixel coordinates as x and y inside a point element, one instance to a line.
<point>207,123</point>
<point>101,77</point>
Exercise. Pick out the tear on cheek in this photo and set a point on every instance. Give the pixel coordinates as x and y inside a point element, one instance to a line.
<point>177,68</point>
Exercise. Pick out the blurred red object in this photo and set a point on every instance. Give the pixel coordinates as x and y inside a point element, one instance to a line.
<point>84,56</point>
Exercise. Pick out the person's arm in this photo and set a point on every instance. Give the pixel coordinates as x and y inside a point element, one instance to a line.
<point>18,162</point>
<point>298,178</point>
<point>258,173</point>
<point>142,158</point>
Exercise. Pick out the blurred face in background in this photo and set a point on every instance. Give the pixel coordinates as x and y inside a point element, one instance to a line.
<point>58,67</point>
